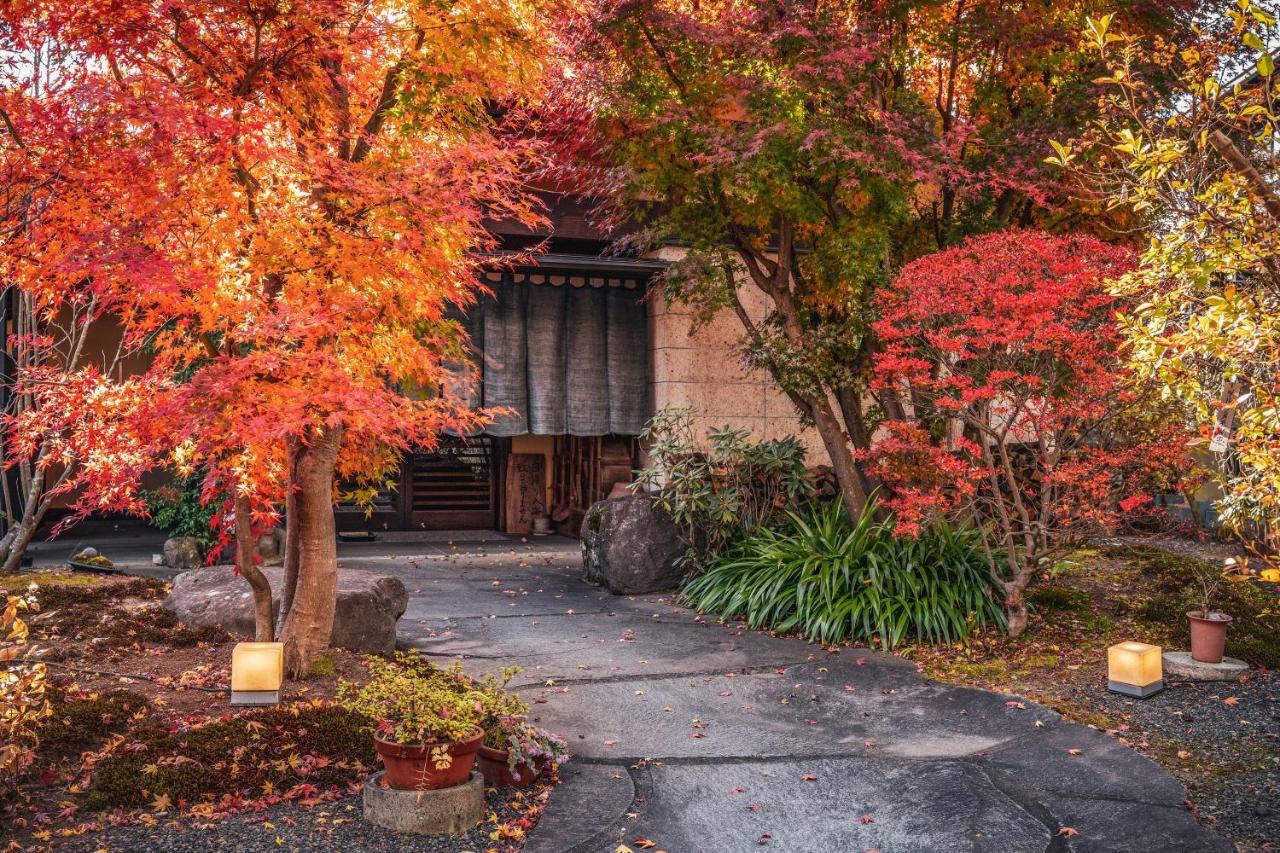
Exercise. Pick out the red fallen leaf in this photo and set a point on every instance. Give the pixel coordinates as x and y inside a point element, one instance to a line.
<point>611,743</point>
<point>849,688</point>
<point>1021,706</point>
<point>861,661</point>
<point>754,807</point>
<point>1068,831</point>
<point>766,838</point>
<point>738,791</point>
<point>808,777</point>
<point>699,734</point>
<point>644,843</point>
<point>726,692</point>
<point>869,744</point>
<point>782,670</point>
<point>1231,700</point>
<point>866,818</point>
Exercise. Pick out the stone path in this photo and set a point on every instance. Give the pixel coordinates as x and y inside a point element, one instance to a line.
<point>702,737</point>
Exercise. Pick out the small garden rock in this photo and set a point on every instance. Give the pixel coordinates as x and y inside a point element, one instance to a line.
<point>630,546</point>
<point>365,619</point>
<point>182,552</point>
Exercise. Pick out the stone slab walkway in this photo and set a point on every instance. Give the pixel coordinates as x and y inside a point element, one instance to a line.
<point>703,737</point>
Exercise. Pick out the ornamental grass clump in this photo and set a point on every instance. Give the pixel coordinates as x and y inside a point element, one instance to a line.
<point>833,581</point>
<point>410,701</point>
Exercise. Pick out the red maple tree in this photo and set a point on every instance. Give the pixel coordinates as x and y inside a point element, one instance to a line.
<point>1022,415</point>
<point>279,203</point>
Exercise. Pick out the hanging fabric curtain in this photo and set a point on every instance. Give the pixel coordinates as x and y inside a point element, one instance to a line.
<point>563,359</point>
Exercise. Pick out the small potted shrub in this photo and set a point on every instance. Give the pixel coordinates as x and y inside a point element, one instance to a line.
<point>426,721</point>
<point>1208,626</point>
<point>515,752</point>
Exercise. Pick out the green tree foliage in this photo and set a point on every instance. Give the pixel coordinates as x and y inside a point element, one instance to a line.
<point>1196,171</point>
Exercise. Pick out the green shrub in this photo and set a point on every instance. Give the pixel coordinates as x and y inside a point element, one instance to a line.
<point>718,490</point>
<point>177,509</point>
<point>832,581</point>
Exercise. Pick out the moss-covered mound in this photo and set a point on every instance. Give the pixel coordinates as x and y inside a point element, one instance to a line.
<point>250,755</point>
<point>1170,588</point>
<point>81,722</point>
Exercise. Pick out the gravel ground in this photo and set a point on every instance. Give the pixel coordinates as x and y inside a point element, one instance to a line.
<point>332,826</point>
<point>1226,752</point>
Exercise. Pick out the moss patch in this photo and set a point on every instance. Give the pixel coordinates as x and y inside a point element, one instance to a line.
<point>1051,597</point>
<point>82,721</point>
<point>322,667</point>
<point>1170,589</point>
<point>249,755</point>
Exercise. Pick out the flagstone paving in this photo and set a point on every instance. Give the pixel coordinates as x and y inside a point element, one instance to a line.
<point>703,737</point>
<point>706,738</point>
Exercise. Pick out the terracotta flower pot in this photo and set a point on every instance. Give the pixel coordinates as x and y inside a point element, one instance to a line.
<point>415,767</point>
<point>493,766</point>
<point>1208,635</point>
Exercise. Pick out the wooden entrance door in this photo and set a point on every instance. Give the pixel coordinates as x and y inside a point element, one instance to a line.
<point>455,486</point>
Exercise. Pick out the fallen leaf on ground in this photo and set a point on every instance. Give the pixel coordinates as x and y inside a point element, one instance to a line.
<point>1068,831</point>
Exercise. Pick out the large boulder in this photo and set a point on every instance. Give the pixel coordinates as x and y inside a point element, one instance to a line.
<point>365,620</point>
<point>631,546</point>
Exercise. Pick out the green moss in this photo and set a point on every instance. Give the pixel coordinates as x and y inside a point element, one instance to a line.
<point>80,722</point>
<point>157,625</point>
<point>322,667</point>
<point>19,581</point>
<point>63,591</point>
<point>245,755</point>
<point>1050,597</point>
<point>1171,589</point>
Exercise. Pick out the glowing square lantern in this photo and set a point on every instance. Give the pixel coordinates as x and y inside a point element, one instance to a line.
<point>1135,669</point>
<point>257,671</point>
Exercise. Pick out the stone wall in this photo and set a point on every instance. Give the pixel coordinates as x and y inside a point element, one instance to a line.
<point>700,367</point>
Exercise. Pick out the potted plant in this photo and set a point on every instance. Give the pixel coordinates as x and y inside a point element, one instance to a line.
<point>426,721</point>
<point>515,752</point>
<point>1208,626</point>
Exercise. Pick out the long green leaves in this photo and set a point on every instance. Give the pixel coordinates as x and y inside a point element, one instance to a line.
<point>833,581</point>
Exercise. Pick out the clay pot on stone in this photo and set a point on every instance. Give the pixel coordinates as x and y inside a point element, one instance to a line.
<point>416,767</point>
<point>1208,635</point>
<point>492,764</point>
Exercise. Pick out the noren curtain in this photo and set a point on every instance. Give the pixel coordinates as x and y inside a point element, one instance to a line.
<point>564,360</point>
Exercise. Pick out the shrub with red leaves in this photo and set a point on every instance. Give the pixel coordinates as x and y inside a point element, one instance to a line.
<point>1017,408</point>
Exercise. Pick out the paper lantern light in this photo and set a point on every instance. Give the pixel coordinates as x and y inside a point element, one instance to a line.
<point>257,671</point>
<point>1135,669</point>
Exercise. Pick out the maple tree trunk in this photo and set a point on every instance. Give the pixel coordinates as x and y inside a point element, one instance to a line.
<point>290,586</point>
<point>840,452</point>
<point>247,564</point>
<point>1015,610</point>
<point>309,624</point>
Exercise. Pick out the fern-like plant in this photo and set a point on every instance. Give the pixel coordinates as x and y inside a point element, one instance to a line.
<point>833,581</point>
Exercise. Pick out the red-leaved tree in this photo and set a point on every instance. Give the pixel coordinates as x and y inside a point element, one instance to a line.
<point>279,201</point>
<point>1023,417</point>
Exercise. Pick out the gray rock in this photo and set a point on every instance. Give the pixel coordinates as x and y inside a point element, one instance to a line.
<point>87,552</point>
<point>1180,666</point>
<point>442,812</point>
<point>182,552</point>
<point>630,546</point>
<point>365,620</point>
<point>271,546</point>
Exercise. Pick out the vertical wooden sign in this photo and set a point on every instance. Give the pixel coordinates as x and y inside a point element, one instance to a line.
<point>526,490</point>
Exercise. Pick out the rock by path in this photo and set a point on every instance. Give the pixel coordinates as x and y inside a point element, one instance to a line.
<point>703,737</point>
